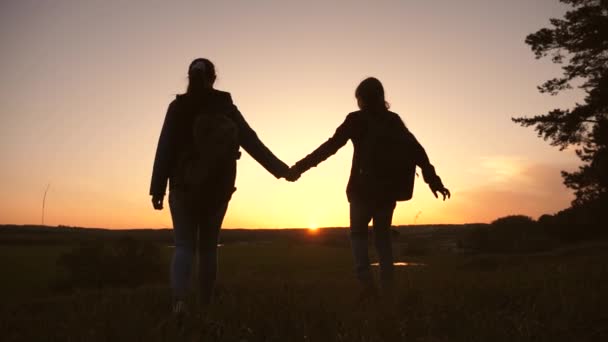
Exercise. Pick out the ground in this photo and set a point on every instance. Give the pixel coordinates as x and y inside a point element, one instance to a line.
<point>287,291</point>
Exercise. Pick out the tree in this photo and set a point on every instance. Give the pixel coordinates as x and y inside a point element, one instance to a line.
<point>579,42</point>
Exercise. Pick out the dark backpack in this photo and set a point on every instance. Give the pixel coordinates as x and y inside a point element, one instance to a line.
<point>212,149</point>
<point>387,163</point>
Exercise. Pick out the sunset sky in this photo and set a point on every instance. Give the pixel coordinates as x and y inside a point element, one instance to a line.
<point>85,86</point>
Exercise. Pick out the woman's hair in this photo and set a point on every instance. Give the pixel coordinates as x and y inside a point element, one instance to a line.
<point>370,94</point>
<point>201,74</point>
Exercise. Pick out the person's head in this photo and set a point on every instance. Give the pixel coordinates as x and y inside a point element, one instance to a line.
<point>201,75</point>
<point>370,95</point>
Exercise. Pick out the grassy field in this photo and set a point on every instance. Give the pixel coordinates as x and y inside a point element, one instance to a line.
<point>282,291</point>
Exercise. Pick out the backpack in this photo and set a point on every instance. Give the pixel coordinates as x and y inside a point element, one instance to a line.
<point>211,150</point>
<point>387,163</point>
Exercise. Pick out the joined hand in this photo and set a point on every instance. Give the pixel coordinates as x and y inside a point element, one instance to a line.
<point>292,174</point>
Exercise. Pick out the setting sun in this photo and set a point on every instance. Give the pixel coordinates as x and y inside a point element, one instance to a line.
<point>313,229</point>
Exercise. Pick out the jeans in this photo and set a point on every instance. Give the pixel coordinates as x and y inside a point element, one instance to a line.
<point>361,213</point>
<point>186,229</point>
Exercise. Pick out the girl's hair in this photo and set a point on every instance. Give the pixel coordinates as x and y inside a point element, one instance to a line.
<point>201,73</point>
<point>370,94</point>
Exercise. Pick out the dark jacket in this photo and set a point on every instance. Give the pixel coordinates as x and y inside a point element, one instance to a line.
<point>176,135</point>
<point>355,128</point>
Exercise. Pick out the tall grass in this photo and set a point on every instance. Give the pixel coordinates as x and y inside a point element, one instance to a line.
<point>278,292</point>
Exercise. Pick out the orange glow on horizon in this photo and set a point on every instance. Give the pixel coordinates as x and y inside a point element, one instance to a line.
<point>313,230</point>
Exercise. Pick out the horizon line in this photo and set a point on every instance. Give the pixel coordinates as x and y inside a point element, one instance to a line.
<point>5,225</point>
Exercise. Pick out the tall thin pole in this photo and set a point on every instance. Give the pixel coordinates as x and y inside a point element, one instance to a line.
<point>44,200</point>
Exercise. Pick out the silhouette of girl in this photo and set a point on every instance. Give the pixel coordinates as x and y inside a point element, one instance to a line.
<point>199,210</point>
<point>382,173</point>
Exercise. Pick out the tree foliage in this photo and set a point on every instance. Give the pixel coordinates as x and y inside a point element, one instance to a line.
<point>579,42</point>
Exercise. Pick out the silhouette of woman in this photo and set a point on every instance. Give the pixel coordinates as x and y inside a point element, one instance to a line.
<point>382,173</point>
<point>200,210</point>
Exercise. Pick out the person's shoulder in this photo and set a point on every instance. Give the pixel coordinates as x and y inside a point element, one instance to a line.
<point>221,92</point>
<point>398,120</point>
<point>178,98</point>
<point>355,120</point>
<point>223,96</point>
<point>394,116</point>
<point>356,115</point>
<point>182,99</point>
<point>353,117</point>
<point>176,103</point>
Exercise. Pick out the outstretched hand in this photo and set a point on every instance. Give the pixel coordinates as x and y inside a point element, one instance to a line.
<point>442,190</point>
<point>292,174</point>
<point>157,201</point>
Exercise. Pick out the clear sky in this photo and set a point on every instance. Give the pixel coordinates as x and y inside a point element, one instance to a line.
<point>85,86</point>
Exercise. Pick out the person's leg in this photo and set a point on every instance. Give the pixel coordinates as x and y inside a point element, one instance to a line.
<point>383,217</point>
<point>360,216</point>
<point>208,238</point>
<point>184,228</point>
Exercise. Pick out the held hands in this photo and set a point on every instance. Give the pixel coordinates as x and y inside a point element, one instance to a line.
<point>293,174</point>
<point>157,201</point>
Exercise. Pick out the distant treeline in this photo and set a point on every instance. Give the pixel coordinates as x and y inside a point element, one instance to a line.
<point>30,234</point>
<point>513,233</point>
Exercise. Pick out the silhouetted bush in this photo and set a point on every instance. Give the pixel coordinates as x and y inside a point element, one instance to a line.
<point>509,234</point>
<point>546,219</point>
<point>124,262</point>
<point>579,223</point>
<point>521,234</point>
<point>514,220</point>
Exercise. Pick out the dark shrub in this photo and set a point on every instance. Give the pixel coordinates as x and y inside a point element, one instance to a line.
<point>579,223</point>
<point>514,220</point>
<point>509,234</point>
<point>546,219</point>
<point>123,262</point>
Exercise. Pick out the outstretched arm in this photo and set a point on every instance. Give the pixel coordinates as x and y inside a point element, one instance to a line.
<point>327,149</point>
<point>253,145</point>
